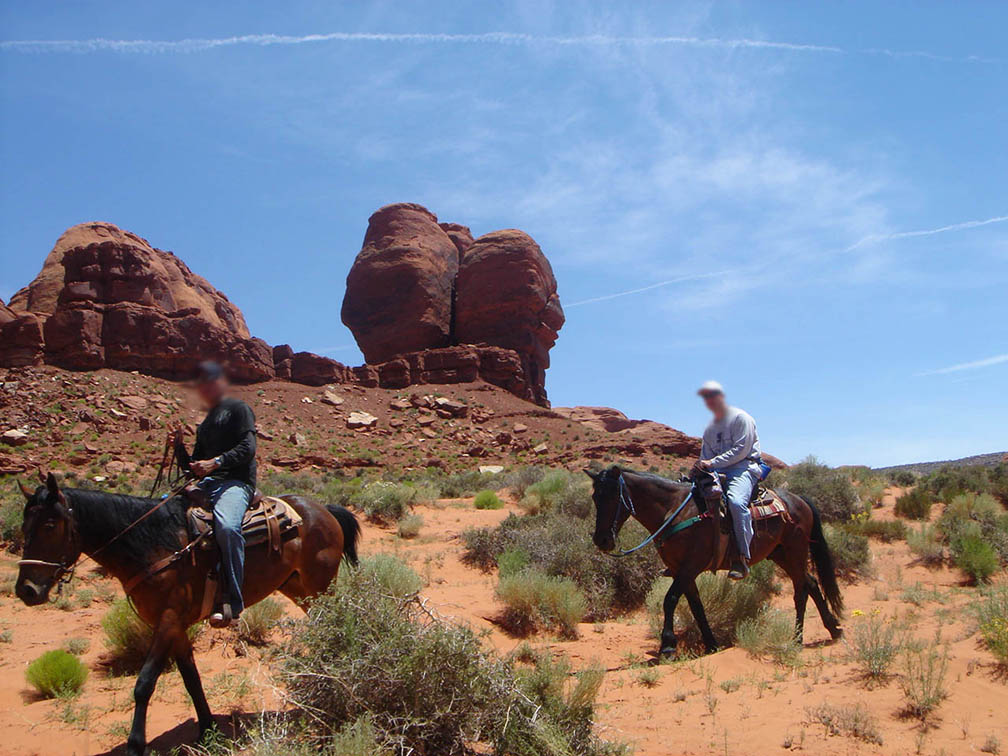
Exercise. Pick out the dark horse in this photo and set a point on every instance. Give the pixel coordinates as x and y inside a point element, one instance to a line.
<point>698,547</point>
<point>62,524</point>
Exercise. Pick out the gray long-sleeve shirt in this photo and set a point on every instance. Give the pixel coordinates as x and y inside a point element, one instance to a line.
<point>732,440</point>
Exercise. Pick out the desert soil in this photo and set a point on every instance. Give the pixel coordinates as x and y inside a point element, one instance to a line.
<point>725,703</point>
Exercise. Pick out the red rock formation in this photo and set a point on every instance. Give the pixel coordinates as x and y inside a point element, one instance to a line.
<point>399,290</point>
<point>600,418</point>
<point>20,338</point>
<point>506,296</point>
<point>109,299</point>
<point>408,294</point>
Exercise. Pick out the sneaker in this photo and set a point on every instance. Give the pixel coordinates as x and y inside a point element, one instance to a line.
<point>739,570</point>
<point>222,617</point>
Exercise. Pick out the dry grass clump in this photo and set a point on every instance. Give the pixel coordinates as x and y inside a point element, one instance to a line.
<point>428,685</point>
<point>257,622</point>
<point>771,633</point>
<point>925,543</point>
<point>534,601</point>
<point>923,680</point>
<point>850,720</point>
<point>410,526</point>
<point>873,644</point>
<point>991,613</point>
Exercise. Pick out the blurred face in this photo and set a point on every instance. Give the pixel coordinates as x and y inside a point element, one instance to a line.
<point>715,402</point>
<point>211,392</point>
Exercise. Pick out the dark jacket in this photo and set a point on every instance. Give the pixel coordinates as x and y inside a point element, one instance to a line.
<point>227,432</point>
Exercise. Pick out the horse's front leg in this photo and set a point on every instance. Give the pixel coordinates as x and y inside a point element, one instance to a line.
<point>143,690</point>
<point>696,606</point>
<point>194,686</point>
<point>668,638</point>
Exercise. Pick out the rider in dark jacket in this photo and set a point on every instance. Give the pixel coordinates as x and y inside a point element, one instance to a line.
<point>223,459</point>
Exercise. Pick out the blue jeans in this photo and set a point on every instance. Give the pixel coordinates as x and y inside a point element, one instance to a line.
<point>230,500</point>
<point>739,484</point>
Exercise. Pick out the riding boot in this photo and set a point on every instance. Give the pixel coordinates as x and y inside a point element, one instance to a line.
<point>222,617</point>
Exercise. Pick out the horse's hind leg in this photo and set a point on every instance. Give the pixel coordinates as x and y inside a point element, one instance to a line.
<point>696,606</point>
<point>799,581</point>
<point>825,614</point>
<point>193,684</point>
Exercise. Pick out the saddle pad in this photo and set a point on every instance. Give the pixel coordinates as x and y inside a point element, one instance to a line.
<point>768,505</point>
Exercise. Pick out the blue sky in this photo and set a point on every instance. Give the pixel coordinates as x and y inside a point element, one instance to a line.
<point>819,189</point>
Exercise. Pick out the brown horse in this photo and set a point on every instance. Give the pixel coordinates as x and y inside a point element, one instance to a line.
<point>127,535</point>
<point>698,545</point>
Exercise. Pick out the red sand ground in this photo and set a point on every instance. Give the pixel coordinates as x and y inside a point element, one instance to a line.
<point>726,703</point>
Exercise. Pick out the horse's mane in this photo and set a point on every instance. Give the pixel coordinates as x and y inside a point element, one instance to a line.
<point>101,516</point>
<point>656,480</point>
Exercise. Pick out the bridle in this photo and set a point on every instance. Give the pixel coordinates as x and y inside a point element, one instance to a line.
<point>62,571</point>
<point>626,504</point>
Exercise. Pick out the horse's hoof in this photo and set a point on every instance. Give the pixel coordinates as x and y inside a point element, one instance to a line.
<point>712,649</point>
<point>837,634</point>
<point>667,652</point>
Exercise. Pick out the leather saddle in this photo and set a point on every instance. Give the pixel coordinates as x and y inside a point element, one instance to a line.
<point>268,520</point>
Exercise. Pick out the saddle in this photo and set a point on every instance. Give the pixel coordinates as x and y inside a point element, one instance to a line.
<point>268,520</point>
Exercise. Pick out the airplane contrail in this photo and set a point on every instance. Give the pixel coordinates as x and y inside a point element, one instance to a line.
<point>874,238</point>
<point>151,46</point>
<point>975,364</point>
<point>649,287</point>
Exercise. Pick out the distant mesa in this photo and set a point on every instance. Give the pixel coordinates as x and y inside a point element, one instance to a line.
<point>426,302</point>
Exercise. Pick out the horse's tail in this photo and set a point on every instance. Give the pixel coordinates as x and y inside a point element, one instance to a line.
<point>351,531</point>
<point>823,560</point>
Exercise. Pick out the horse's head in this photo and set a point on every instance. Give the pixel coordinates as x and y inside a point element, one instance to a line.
<point>51,545</point>
<point>611,506</point>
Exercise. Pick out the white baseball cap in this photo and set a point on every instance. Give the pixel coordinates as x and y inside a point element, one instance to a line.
<point>710,387</point>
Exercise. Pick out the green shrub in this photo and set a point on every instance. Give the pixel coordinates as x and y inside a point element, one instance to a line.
<point>387,574</point>
<point>873,644</point>
<point>926,545</point>
<point>547,492</point>
<point>511,562</point>
<point>519,479</point>
<point>991,613</point>
<point>427,685</point>
<point>882,530</point>
<point>974,556</point>
<point>386,502</point>
<point>467,483</point>
<point>127,637</point>
<point>976,515</point>
<point>915,504</point>
<point>851,554</point>
<point>923,680</point>
<point>903,478</point>
<point>726,603</point>
<point>831,490</point>
<point>409,526</point>
<point>952,481</point>
<point>560,544</point>
<point>771,633</point>
<point>871,490</point>
<point>56,674</point>
<point>534,601</point>
<point>258,621</point>
<point>487,499</point>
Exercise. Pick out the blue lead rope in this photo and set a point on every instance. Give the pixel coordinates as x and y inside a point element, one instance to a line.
<point>668,520</point>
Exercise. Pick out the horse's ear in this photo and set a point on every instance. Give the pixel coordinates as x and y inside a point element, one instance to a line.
<point>28,493</point>
<point>615,471</point>
<point>52,484</point>
<point>590,474</point>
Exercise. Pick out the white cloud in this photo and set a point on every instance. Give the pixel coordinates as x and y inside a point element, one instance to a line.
<point>975,365</point>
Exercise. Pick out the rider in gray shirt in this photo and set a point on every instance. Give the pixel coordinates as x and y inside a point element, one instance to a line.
<point>731,447</point>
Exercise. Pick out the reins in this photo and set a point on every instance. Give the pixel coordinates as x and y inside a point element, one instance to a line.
<point>627,502</point>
